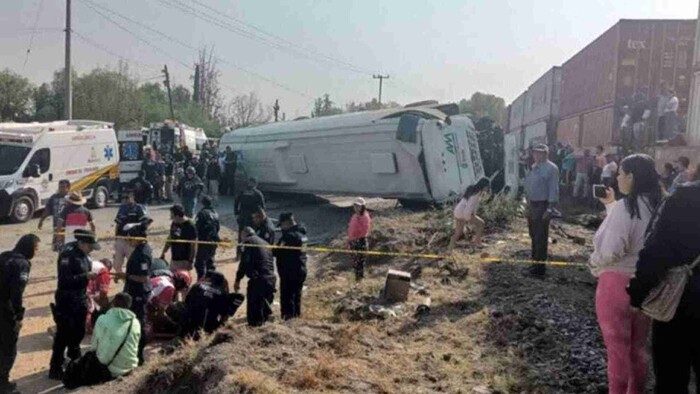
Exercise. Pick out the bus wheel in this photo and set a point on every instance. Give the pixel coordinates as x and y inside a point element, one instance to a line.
<point>22,210</point>
<point>99,199</point>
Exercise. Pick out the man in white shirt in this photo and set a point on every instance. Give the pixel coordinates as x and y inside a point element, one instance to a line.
<point>607,177</point>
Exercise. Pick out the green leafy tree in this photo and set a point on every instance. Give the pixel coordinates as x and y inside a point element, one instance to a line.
<point>490,138</point>
<point>371,105</point>
<point>324,106</point>
<point>484,105</point>
<point>16,95</point>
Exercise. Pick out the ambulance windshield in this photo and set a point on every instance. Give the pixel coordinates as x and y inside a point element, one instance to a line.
<point>12,158</point>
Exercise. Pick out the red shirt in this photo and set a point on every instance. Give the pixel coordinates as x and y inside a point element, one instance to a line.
<point>360,226</point>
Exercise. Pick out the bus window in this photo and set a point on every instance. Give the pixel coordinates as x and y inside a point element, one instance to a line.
<point>408,128</point>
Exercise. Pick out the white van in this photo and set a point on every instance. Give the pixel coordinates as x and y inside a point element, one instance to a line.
<point>36,156</point>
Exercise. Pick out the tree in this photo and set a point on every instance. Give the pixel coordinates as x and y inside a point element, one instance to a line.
<point>484,105</point>
<point>44,109</point>
<point>107,95</point>
<point>323,106</point>
<point>372,105</point>
<point>208,84</point>
<point>245,111</point>
<point>490,138</point>
<point>15,96</point>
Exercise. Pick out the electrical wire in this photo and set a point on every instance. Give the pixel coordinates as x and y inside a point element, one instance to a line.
<point>282,39</point>
<point>92,5</point>
<point>247,34</point>
<point>139,38</point>
<point>34,29</point>
<point>103,48</point>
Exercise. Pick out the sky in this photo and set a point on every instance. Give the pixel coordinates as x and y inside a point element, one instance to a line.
<point>297,50</point>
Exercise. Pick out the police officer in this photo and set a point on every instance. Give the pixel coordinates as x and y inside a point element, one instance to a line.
<point>14,274</point>
<point>70,309</point>
<point>263,226</point>
<point>248,202</point>
<point>257,264</point>
<point>137,277</point>
<point>206,305</point>
<point>291,265</point>
<point>207,224</point>
<point>245,205</point>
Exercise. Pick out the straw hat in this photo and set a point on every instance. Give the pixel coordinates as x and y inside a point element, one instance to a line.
<point>360,202</point>
<point>75,198</point>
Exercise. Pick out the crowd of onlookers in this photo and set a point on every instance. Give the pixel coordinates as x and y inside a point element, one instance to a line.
<point>651,227</point>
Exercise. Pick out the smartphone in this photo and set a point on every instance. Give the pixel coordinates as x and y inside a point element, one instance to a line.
<point>600,191</point>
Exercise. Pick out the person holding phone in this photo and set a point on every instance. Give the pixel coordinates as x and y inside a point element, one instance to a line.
<point>616,246</point>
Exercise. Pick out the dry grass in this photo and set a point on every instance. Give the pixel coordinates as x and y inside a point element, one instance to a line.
<point>248,381</point>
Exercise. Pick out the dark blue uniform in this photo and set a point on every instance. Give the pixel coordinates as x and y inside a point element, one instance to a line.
<point>291,267</point>
<point>70,309</point>
<point>139,264</point>
<point>258,265</point>
<point>14,274</point>
<point>208,227</point>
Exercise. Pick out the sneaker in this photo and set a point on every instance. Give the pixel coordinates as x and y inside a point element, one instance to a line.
<point>56,374</point>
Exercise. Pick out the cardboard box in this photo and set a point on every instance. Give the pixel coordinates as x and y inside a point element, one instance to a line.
<point>398,283</point>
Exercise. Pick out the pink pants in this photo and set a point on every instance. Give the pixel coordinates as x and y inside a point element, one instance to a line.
<point>625,334</point>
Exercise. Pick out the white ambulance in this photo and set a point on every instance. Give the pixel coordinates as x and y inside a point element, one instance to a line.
<point>34,157</point>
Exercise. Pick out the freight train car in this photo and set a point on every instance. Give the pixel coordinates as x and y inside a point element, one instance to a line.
<point>425,154</point>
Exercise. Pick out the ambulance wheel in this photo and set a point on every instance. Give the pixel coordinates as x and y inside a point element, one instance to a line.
<point>99,199</point>
<point>22,210</point>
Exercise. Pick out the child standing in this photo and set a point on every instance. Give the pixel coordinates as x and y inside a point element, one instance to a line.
<point>358,231</point>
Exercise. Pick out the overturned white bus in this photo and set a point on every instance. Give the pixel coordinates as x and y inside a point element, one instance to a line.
<point>425,154</point>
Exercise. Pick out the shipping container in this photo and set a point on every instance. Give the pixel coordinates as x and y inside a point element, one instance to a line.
<point>569,130</point>
<point>634,57</point>
<point>536,134</point>
<point>542,102</point>
<point>517,108</point>
<point>597,128</point>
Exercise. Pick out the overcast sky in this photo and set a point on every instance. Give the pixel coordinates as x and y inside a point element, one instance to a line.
<point>442,50</point>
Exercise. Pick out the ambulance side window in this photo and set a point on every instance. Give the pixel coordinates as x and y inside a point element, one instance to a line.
<point>42,157</point>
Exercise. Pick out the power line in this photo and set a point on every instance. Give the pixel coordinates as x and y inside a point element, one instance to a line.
<point>247,34</point>
<point>282,39</point>
<point>139,38</point>
<point>109,51</point>
<point>94,7</point>
<point>34,29</point>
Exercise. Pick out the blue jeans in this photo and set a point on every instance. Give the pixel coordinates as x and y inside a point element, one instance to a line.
<point>190,204</point>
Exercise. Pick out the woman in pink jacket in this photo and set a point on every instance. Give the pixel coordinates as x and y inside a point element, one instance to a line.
<point>358,231</point>
<point>614,260</point>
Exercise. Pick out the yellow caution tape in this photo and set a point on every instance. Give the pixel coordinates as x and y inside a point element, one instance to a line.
<point>322,249</point>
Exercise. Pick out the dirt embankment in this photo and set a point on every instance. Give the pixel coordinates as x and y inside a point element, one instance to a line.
<point>488,329</point>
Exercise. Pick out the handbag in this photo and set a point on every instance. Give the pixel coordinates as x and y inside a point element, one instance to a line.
<point>88,370</point>
<point>662,301</point>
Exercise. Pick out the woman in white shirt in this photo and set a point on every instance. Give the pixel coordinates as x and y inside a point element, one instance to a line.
<point>616,245</point>
<point>465,212</point>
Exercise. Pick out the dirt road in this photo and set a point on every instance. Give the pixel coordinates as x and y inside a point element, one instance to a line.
<point>324,218</point>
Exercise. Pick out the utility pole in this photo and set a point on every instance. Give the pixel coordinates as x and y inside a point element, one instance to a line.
<point>68,96</point>
<point>276,108</point>
<point>170,95</point>
<point>381,79</point>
